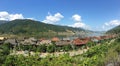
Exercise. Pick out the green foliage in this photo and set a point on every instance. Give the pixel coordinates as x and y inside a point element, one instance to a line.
<point>42,48</point>
<point>115,30</point>
<point>20,60</point>
<point>4,51</point>
<point>98,55</point>
<point>96,50</point>
<point>117,47</point>
<point>67,48</point>
<point>90,44</point>
<point>51,48</point>
<point>117,40</point>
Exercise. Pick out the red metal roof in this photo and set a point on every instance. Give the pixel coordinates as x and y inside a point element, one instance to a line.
<point>55,39</point>
<point>79,41</point>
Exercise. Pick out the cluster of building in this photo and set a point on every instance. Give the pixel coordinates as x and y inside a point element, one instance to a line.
<point>59,42</point>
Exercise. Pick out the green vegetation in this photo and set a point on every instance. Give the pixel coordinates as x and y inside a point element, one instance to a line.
<point>51,48</point>
<point>4,52</point>
<point>98,55</point>
<point>27,27</point>
<point>43,48</point>
<point>115,30</point>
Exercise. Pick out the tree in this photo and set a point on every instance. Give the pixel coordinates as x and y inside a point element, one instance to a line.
<point>4,51</point>
<point>41,48</point>
<point>90,44</point>
<point>51,48</point>
<point>67,48</point>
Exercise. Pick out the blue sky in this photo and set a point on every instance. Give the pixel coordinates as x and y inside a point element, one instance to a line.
<point>89,14</point>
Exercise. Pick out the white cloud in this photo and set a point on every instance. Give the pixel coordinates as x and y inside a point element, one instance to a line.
<point>77,18</point>
<point>16,16</point>
<point>111,24</point>
<point>6,16</point>
<point>78,22</point>
<point>31,18</point>
<point>53,18</point>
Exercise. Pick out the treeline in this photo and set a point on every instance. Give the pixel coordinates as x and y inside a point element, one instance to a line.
<point>43,48</point>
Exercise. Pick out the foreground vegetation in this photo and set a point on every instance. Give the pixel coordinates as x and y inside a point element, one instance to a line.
<point>107,53</point>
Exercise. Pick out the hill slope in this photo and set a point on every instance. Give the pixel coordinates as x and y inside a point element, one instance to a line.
<point>115,30</point>
<point>34,28</point>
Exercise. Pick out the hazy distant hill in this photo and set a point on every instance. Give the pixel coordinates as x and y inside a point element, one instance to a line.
<point>34,28</point>
<point>2,21</point>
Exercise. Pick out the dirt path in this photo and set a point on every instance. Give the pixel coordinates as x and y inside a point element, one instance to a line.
<point>71,53</point>
<point>43,55</point>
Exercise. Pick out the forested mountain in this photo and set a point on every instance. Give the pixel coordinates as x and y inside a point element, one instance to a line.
<point>31,27</point>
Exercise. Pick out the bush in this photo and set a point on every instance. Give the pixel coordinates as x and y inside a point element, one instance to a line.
<point>67,48</point>
<point>51,48</point>
<point>90,44</point>
<point>4,51</point>
<point>42,48</point>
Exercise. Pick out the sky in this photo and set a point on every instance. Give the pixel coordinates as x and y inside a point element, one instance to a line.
<point>96,15</point>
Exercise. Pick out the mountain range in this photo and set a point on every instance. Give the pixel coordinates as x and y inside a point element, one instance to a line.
<point>26,27</point>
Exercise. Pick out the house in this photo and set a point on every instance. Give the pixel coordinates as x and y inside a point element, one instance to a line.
<point>2,38</point>
<point>21,38</point>
<point>33,39</point>
<point>47,42</point>
<point>87,39</point>
<point>55,39</point>
<point>63,42</point>
<point>107,36</point>
<point>96,38</point>
<point>66,39</point>
<point>41,39</point>
<point>30,41</point>
<point>102,37</point>
<point>79,41</point>
<point>11,41</point>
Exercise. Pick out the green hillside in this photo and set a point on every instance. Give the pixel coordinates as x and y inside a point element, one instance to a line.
<point>115,30</point>
<point>27,27</point>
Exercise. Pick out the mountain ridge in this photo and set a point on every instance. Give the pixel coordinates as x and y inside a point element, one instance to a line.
<point>32,27</point>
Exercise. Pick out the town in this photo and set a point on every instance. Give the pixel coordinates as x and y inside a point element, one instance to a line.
<point>77,41</point>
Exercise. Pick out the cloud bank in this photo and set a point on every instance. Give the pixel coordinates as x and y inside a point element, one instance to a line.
<point>111,24</point>
<point>78,22</point>
<point>6,16</point>
<point>51,19</point>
